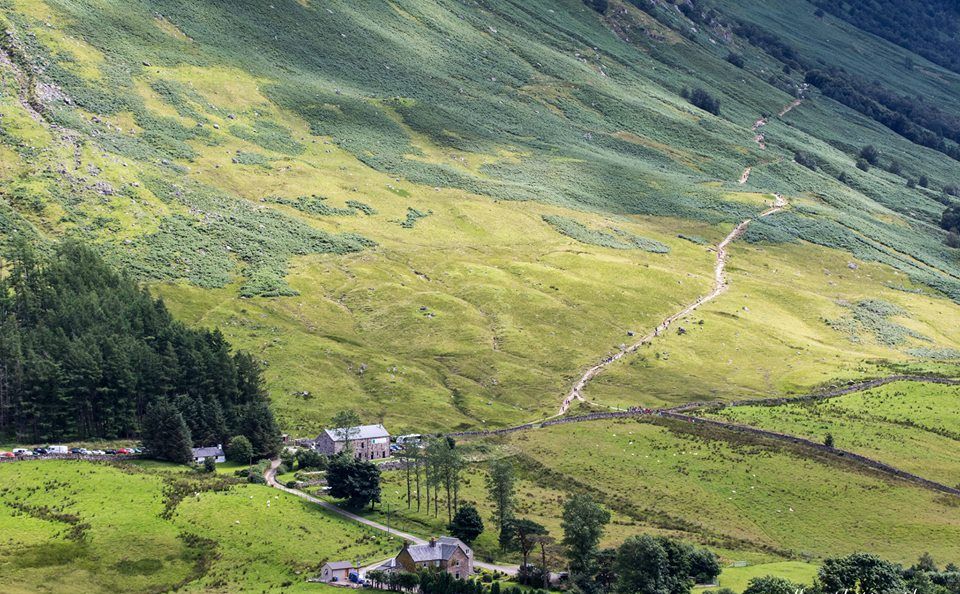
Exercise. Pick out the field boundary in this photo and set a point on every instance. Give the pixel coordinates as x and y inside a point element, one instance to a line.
<point>678,413</point>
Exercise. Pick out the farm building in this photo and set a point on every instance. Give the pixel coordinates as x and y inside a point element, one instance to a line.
<point>368,442</point>
<point>447,553</point>
<point>215,452</point>
<point>337,571</point>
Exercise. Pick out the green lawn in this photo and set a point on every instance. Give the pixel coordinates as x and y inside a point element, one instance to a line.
<point>90,528</point>
<point>737,578</point>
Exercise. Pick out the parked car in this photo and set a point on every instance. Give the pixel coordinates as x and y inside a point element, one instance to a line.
<point>40,451</point>
<point>124,451</point>
<point>137,451</point>
<point>7,455</point>
<point>110,452</point>
<point>97,452</point>
<point>57,449</point>
<point>22,452</point>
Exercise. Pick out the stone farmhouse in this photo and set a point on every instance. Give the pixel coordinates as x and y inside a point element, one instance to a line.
<point>446,553</point>
<point>368,442</point>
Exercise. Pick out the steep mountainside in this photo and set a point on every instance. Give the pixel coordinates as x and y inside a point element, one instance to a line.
<point>459,207</point>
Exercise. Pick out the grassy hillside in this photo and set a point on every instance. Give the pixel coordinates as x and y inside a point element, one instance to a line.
<point>740,495</point>
<point>911,426</point>
<point>83,527</point>
<point>310,178</point>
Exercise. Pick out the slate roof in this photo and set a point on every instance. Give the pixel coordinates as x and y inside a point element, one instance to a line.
<point>337,565</point>
<point>441,551</point>
<point>207,452</point>
<point>361,432</point>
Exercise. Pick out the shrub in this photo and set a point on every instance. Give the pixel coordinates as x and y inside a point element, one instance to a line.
<point>805,159</point>
<point>863,165</point>
<point>770,584</point>
<point>870,154</point>
<point>239,450</point>
<point>736,59</point>
<point>704,100</point>
<point>924,181</point>
<point>467,524</point>
<point>311,459</point>
<point>598,5</point>
<point>209,464</point>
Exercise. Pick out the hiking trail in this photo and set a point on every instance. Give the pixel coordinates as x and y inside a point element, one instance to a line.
<point>720,284</point>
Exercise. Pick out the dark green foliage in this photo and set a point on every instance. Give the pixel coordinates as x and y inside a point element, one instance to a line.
<point>870,154</point>
<point>704,565</point>
<point>249,158</point>
<point>863,165</point>
<point>598,5</point>
<point>239,450</point>
<point>828,440</point>
<point>661,565</point>
<point>413,215</point>
<point>868,572</point>
<point>926,562</point>
<point>356,481</point>
<point>642,566</point>
<point>583,523</point>
<point>310,459</point>
<point>209,464</point>
<point>704,100</point>
<point>927,27</point>
<point>805,159</point>
<point>467,524</point>
<point>521,534</point>
<point>501,489</point>
<point>84,353</point>
<point>315,205</point>
<point>923,181</point>
<point>362,207</point>
<point>165,434</point>
<point>736,59</point>
<point>770,584</point>
<point>916,121</point>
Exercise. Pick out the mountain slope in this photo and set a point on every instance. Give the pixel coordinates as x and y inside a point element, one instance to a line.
<point>357,192</point>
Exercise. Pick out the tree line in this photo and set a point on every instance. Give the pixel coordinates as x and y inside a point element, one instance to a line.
<point>926,27</point>
<point>86,353</point>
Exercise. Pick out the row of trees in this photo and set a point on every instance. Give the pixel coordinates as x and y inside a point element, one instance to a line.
<point>85,353</point>
<point>434,468</point>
